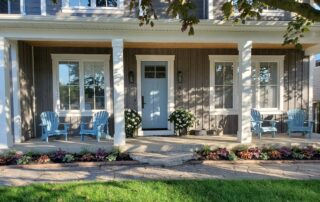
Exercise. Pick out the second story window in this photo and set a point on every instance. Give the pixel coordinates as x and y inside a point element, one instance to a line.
<point>91,3</point>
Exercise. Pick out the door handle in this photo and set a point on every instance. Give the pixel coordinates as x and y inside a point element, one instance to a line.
<point>142,102</point>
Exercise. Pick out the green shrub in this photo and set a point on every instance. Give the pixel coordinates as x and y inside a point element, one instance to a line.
<point>232,156</point>
<point>68,158</point>
<point>23,160</point>
<point>264,156</point>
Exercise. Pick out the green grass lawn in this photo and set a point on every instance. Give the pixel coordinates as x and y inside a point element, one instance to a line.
<point>182,190</point>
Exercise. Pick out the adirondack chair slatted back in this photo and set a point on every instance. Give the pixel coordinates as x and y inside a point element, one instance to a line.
<point>50,120</point>
<point>100,118</point>
<point>296,117</point>
<point>255,119</point>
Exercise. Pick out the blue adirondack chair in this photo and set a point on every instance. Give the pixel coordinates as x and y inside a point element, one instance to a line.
<point>297,122</point>
<point>50,126</point>
<point>257,127</point>
<point>99,123</point>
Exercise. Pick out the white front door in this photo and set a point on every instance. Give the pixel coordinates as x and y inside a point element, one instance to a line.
<point>154,95</point>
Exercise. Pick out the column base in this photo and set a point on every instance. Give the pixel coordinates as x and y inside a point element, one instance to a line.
<point>244,140</point>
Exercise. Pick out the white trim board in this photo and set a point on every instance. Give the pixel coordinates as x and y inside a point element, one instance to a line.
<point>170,60</point>
<point>279,59</point>
<point>80,58</point>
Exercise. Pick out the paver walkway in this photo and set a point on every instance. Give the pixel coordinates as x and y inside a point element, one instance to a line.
<point>207,170</point>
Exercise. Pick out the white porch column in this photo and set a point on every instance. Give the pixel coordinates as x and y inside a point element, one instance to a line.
<point>312,65</point>
<point>245,92</point>
<point>311,52</point>
<point>43,6</point>
<point>22,7</point>
<point>118,93</point>
<point>15,92</point>
<point>6,139</point>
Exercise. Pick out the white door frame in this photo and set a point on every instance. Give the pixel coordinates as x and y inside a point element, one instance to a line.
<point>170,60</point>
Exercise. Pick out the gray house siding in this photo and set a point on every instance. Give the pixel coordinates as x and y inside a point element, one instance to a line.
<point>43,83</point>
<point>192,93</point>
<point>26,90</point>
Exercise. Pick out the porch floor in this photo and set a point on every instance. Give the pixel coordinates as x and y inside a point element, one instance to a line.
<point>165,143</point>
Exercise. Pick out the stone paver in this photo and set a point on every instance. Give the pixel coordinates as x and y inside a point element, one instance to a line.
<point>15,176</point>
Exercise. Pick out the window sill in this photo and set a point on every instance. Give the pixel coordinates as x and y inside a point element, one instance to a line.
<point>108,10</point>
<point>271,111</point>
<point>77,113</point>
<point>223,112</point>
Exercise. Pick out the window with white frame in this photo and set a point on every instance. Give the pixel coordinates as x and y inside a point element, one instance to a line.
<point>267,83</point>
<point>92,3</point>
<point>90,6</point>
<point>80,82</point>
<point>223,77</point>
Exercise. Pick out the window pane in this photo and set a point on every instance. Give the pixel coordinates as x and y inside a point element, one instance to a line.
<point>219,74</point>
<point>101,3</point>
<point>64,97</point>
<point>268,73</point>
<point>160,72</point>
<point>89,97</point>
<point>112,3</point>
<point>149,71</point>
<point>74,97</point>
<point>69,85</point>
<point>218,97</point>
<point>94,85</point>
<point>228,97</point>
<point>83,3</point>
<point>99,97</point>
<point>268,96</point>
<point>228,74</point>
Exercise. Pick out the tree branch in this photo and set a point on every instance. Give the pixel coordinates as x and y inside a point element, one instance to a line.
<point>303,9</point>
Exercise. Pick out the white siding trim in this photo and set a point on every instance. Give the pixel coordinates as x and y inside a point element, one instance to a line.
<point>22,7</point>
<point>79,58</point>
<point>167,58</point>
<point>43,6</point>
<point>6,139</point>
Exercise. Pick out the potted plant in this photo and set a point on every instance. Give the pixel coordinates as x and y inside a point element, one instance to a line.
<point>182,120</point>
<point>132,122</point>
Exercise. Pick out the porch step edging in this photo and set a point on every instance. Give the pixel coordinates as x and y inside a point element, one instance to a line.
<point>163,158</point>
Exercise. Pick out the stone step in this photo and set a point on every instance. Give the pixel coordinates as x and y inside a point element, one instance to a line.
<point>163,158</point>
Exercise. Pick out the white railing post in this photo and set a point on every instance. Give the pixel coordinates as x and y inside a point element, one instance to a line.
<point>245,92</point>
<point>118,93</point>
<point>22,7</point>
<point>15,92</point>
<point>6,139</point>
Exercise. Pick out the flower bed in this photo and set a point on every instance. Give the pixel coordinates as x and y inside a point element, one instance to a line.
<point>255,153</point>
<point>12,157</point>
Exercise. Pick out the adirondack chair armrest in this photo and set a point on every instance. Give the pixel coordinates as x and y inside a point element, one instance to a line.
<point>42,125</point>
<point>310,123</point>
<point>101,127</point>
<point>84,124</point>
<point>65,125</point>
<point>272,122</point>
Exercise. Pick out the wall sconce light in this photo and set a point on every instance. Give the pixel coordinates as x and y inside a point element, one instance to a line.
<point>180,76</point>
<point>131,77</point>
